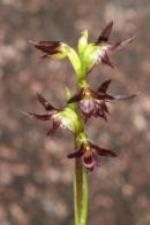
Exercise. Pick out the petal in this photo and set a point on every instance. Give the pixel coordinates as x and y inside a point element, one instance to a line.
<point>106,60</point>
<point>103,151</point>
<point>88,162</point>
<point>48,47</point>
<point>109,97</point>
<point>55,126</point>
<point>124,97</point>
<point>43,117</point>
<point>76,98</point>
<point>76,154</point>
<point>86,106</point>
<point>104,107</point>
<point>107,152</point>
<point>105,97</point>
<point>122,44</point>
<point>45,103</point>
<point>104,86</point>
<point>52,44</point>
<point>94,94</point>
<point>102,115</point>
<point>103,111</point>
<point>105,34</point>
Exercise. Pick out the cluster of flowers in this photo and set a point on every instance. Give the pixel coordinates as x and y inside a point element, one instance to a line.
<point>90,103</point>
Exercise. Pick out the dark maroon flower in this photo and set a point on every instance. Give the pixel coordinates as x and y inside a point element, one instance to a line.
<point>89,154</point>
<point>93,103</point>
<point>106,46</point>
<point>64,118</point>
<point>50,115</point>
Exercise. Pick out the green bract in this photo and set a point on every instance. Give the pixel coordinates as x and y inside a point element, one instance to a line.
<point>75,61</point>
<point>70,120</point>
<point>88,58</point>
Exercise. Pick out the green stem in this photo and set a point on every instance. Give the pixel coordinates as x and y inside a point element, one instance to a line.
<point>80,194</point>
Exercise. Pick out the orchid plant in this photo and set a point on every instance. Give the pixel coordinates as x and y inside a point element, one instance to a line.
<point>86,103</point>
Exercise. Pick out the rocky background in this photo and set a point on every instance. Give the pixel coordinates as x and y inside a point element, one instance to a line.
<point>35,175</point>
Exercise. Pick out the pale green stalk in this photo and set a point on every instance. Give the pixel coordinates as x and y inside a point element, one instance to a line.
<point>80,194</point>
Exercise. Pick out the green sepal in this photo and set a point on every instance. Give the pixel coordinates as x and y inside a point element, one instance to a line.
<point>83,42</point>
<point>74,60</point>
<point>70,119</point>
<point>89,57</point>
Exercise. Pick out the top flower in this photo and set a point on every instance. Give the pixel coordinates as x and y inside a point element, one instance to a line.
<point>87,54</point>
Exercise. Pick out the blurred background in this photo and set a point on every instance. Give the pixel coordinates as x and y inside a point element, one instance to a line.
<point>35,176</point>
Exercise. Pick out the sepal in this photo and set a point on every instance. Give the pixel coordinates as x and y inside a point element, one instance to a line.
<point>83,42</point>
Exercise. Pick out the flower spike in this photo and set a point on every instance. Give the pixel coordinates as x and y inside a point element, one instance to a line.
<point>90,103</point>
